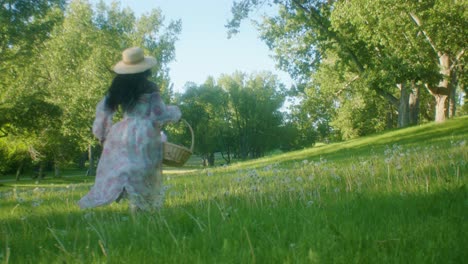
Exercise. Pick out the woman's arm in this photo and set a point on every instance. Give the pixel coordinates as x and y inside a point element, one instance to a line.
<point>103,121</point>
<point>162,113</point>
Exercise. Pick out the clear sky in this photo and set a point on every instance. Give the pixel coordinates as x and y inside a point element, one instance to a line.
<point>203,48</point>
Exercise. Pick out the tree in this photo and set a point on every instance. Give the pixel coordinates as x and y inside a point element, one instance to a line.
<point>204,106</point>
<point>77,60</point>
<point>302,36</point>
<point>377,41</point>
<point>422,41</point>
<point>254,103</point>
<point>24,25</point>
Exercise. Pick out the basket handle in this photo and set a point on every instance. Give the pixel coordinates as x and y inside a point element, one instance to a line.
<point>191,131</point>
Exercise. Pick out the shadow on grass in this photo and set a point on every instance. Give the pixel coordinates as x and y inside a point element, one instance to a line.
<point>352,228</point>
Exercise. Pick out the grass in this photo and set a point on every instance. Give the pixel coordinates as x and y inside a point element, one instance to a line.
<point>397,197</point>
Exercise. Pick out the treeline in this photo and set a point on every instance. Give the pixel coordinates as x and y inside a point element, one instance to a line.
<point>241,116</point>
<point>369,65</point>
<point>360,67</point>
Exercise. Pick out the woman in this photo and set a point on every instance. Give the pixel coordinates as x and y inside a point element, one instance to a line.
<point>131,161</point>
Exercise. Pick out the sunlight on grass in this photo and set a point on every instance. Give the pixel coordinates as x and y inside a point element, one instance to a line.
<point>389,198</point>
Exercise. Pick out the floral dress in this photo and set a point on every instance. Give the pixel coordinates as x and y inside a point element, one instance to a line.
<point>131,161</point>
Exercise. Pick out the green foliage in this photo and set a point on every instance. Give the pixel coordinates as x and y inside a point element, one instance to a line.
<point>69,71</point>
<point>254,106</point>
<point>382,44</point>
<point>237,116</point>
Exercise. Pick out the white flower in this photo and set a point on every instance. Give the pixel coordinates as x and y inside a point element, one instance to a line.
<point>38,190</point>
<point>88,215</point>
<point>36,203</point>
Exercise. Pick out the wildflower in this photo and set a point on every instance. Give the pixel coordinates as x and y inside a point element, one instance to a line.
<point>38,190</point>
<point>238,179</point>
<point>299,179</point>
<point>462,143</point>
<point>305,162</point>
<point>309,203</point>
<point>337,190</point>
<point>88,215</point>
<point>336,176</point>
<point>36,203</point>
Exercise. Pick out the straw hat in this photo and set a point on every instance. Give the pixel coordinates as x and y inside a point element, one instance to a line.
<point>134,61</point>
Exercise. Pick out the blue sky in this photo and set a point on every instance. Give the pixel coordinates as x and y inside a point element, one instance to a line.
<point>203,48</point>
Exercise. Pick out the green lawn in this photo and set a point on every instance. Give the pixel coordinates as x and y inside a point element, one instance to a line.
<point>397,197</point>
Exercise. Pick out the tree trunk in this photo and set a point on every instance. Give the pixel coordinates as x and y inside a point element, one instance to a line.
<point>452,108</point>
<point>41,171</point>
<point>204,160</point>
<point>227,158</point>
<point>440,113</point>
<point>19,171</point>
<point>211,159</point>
<point>390,118</point>
<point>57,169</point>
<point>91,170</point>
<point>403,108</point>
<point>414,107</point>
<point>443,89</point>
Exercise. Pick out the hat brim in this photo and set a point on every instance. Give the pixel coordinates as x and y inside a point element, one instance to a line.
<point>146,64</point>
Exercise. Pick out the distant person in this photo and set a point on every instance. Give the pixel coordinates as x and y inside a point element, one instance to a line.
<point>131,162</point>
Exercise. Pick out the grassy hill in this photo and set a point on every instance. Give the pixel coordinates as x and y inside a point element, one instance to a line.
<point>395,197</point>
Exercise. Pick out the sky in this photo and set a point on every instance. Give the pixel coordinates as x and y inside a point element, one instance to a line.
<point>203,48</point>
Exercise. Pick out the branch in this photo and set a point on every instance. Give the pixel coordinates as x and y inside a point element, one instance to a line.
<point>314,14</point>
<point>347,85</point>
<point>437,90</point>
<point>457,58</point>
<point>5,134</point>
<point>417,21</point>
<point>392,99</point>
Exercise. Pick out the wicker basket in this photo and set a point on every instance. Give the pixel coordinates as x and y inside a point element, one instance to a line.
<point>175,155</point>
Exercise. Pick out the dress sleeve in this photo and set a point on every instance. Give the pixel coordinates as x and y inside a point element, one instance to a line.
<point>162,113</point>
<point>103,121</point>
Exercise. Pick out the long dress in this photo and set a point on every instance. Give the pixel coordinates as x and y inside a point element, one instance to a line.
<point>131,161</point>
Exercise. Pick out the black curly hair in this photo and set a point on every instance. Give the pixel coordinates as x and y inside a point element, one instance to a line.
<point>126,89</point>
